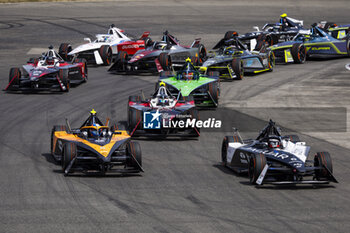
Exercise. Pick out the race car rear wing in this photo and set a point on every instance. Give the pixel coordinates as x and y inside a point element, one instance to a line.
<point>196,42</point>
<point>145,34</point>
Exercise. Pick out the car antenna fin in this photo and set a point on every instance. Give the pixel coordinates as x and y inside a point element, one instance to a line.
<point>68,125</point>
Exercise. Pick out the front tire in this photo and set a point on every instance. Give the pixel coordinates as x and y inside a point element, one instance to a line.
<point>323,159</point>
<point>165,61</point>
<point>237,66</point>
<point>257,163</point>
<point>14,76</point>
<point>63,76</point>
<point>106,54</point>
<point>298,52</point>
<point>69,153</point>
<point>133,149</point>
<point>214,92</point>
<point>63,51</point>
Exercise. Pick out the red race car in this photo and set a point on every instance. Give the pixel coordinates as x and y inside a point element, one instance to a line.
<point>49,72</point>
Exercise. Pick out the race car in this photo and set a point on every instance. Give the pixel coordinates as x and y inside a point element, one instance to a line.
<point>337,31</point>
<point>95,148</point>
<point>106,46</point>
<point>315,42</point>
<point>272,33</point>
<point>161,56</point>
<point>48,73</point>
<point>204,88</point>
<point>275,159</point>
<point>232,59</point>
<point>161,114</point>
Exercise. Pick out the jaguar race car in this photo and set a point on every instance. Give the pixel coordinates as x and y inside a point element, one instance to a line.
<point>163,114</point>
<point>106,46</point>
<point>275,159</point>
<point>315,42</point>
<point>271,33</point>
<point>46,73</point>
<point>95,147</point>
<point>161,56</point>
<point>204,88</point>
<point>232,59</point>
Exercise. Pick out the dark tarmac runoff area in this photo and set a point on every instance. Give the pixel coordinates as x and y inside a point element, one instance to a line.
<point>184,187</point>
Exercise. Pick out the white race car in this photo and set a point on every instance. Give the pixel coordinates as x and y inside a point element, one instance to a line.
<point>102,50</point>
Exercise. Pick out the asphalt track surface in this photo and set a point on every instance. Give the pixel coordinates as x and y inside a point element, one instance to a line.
<point>184,187</point>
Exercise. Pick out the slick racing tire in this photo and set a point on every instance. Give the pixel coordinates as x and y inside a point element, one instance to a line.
<point>63,51</point>
<point>271,60</point>
<point>298,52</point>
<point>148,41</point>
<point>106,54</point>
<point>14,76</point>
<point>84,72</point>
<point>123,60</point>
<point>135,119</point>
<point>135,99</point>
<point>69,153</point>
<point>63,76</point>
<point>292,138</point>
<point>348,44</point>
<point>213,89</point>
<point>323,159</point>
<point>165,61</point>
<point>224,148</point>
<point>257,163</point>
<point>237,66</point>
<point>230,34</point>
<point>133,150</point>
<point>194,115</point>
<point>202,54</point>
<point>54,129</point>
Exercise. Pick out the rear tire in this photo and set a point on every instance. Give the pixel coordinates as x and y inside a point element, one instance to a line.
<point>323,159</point>
<point>134,119</point>
<point>69,153</point>
<point>122,59</point>
<point>237,66</point>
<point>214,92</point>
<point>165,61</point>
<point>271,57</point>
<point>148,41</point>
<point>256,165</point>
<point>63,51</point>
<point>133,149</point>
<point>106,54</point>
<point>202,54</point>
<point>298,52</point>
<point>14,76</point>
<point>63,76</point>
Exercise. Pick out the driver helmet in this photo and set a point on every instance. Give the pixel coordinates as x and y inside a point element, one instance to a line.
<point>94,132</point>
<point>50,61</point>
<point>274,143</point>
<point>188,75</point>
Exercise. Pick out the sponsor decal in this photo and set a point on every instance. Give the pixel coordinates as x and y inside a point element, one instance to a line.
<point>320,48</point>
<point>133,46</point>
<point>243,158</point>
<point>152,120</point>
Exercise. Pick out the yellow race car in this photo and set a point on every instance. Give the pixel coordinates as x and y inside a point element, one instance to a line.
<point>95,147</point>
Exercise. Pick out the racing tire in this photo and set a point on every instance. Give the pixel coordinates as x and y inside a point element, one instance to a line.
<point>194,115</point>
<point>224,147</point>
<point>63,76</point>
<point>84,69</point>
<point>106,54</point>
<point>272,60</point>
<point>257,163</point>
<point>298,52</point>
<point>202,54</point>
<point>237,66</point>
<point>230,34</point>
<point>133,150</point>
<point>148,41</point>
<point>213,89</point>
<point>134,119</point>
<point>348,45</point>
<point>165,62</point>
<point>54,129</point>
<point>324,160</point>
<point>123,59</point>
<point>68,154</point>
<point>63,51</point>
<point>14,76</point>
<point>293,138</point>
<point>262,41</point>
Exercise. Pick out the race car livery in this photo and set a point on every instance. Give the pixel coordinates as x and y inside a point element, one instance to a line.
<point>95,148</point>
<point>275,159</point>
<point>163,55</point>
<point>106,46</point>
<point>205,88</point>
<point>315,42</point>
<point>160,115</point>
<point>232,59</point>
<point>47,73</point>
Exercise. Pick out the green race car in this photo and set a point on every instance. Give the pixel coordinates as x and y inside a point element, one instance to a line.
<point>203,89</point>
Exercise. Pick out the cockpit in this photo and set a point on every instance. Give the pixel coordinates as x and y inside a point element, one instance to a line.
<point>50,58</point>
<point>162,98</point>
<point>188,72</point>
<point>94,130</point>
